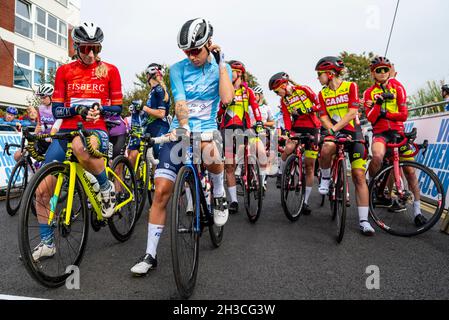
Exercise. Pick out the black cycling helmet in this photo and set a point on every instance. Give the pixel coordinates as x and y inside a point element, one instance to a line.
<point>445,88</point>
<point>87,32</point>
<point>330,63</point>
<point>277,79</point>
<point>194,34</point>
<point>380,62</point>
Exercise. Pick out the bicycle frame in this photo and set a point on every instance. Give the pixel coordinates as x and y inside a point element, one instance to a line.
<point>340,157</point>
<point>75,169</point>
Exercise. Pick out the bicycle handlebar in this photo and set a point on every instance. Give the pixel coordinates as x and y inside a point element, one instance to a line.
<point>8,146</point>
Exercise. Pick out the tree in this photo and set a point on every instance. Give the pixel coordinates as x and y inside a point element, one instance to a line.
<point>252,82</point>
<point>358,69</point>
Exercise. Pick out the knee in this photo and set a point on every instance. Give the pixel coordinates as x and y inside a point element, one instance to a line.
<point>359,177</point>
<point>161,197</point>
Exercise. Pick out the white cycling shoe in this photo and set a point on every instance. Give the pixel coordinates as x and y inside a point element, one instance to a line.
<point>324,186</point>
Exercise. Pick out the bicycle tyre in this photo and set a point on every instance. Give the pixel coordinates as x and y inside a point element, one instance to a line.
<point>185,279</point>
<point>290,171</point>
<point>340,200</point>
<point>35,268</point>
<point>256,191</point>
<point>10,207</point>
<point>142,186</point>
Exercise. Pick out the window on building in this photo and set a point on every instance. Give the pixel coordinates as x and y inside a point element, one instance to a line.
<point>51,28</point>
<point>32,68</point>
<point>63,2</point>
<point>22,74</point>
<point>23,23</point>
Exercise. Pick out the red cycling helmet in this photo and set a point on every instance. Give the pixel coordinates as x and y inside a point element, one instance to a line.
<point>330,63</point>
<point>277,79</point>
<point>380,62</point>
<point>237,65</point>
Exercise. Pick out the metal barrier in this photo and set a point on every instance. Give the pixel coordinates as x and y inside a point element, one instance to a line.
<point>437,107</point>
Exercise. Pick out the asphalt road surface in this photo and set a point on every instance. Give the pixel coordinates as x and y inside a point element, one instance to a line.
<point>273,259</point>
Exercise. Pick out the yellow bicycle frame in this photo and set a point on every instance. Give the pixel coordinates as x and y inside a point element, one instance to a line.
<point>75,169</point>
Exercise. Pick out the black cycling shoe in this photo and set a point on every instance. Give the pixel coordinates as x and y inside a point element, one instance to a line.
<point>233,207</point>
<point>306,210</point>
<point>420,220</point>
<point>382,202</point>
<point>397,207</point>
<point>278,181</point>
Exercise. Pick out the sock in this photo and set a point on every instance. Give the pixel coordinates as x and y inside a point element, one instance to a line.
<point>103,180</point>
<point>417,207</point>
<point>326,173</point>
<point>154,234</point>
<point>46,233</point>
<point>217,180</point>
<point>263,177</point>
<point>281,167</point>
<point>308,192</point>
<point>189,199</point>
<point>233,193</point>
<point>363,213</point>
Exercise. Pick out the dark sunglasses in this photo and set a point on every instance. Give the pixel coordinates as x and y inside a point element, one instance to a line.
<point>193,52</point>
<point>382,70</point>
<point>85,49</point>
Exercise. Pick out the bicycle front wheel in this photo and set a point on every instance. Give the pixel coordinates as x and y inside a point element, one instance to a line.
<point>50,247</point>
<point>338,203</point>
<point>185,231</point>
<point>293,187</point>
<point>253,190</point>
<point>142,182</point>
<point>16,186</point>
<point>410,207</point>
<point>122,223</point>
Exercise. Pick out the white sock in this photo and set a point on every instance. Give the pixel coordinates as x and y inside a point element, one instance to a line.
<point>189,199</point>
<point>282,166</point>
<point>217,180</point>
<point>154,234</point>
<point>263,177</point>
<point>417,208</point>
<point>363,213</point>
<point>308,192</point>
<point>233,193</point>
<point>326,173</point>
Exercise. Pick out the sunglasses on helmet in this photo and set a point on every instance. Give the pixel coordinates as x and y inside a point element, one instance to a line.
<point>87,48</point>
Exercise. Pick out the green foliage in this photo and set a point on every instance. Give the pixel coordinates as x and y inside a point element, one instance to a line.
<point>252,82</point>
<point>431,93</point>
<point>357,69</point>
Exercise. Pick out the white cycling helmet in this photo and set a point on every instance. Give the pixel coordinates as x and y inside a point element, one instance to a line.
<point>258,90</point>
<point>45,90</point>
<point>194,34</point>
<point>153,69</point>
<point>87,32</point>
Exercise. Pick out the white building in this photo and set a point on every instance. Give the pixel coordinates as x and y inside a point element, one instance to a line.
<point>36,34</point>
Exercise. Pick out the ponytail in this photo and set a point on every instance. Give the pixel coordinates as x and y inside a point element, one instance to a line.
<point>101,71</point>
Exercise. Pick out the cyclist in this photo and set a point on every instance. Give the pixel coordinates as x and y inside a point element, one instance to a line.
<point>10,118</point>
<point>198,83</point>
<point>445,94</point>
<point>339,103</point>
<point>235,116</point>
<point>386,109</point>
<point>78,85</point>
<point>46,122</point>
<point>298,103</point>
<point>268,123</point>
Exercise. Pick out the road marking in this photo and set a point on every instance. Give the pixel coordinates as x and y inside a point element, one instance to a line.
<point>9,297</point>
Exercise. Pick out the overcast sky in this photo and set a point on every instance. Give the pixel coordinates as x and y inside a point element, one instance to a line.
<point>273,36</point>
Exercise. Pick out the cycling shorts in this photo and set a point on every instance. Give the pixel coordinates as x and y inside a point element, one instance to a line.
<point>311,148</point>
<point>393,136</point>
<point>358,153</point>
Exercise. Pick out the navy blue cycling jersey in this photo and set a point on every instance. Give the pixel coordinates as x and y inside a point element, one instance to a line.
<point>156,101</point>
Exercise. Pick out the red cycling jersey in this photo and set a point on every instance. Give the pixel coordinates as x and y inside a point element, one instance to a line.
<point>396,109</point>
<point>77,84</point>
<point>302,98</point>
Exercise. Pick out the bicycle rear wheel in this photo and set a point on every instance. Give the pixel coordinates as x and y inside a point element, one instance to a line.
<point>253,191</point>
<point>16,186</point>
<point>293,187</point>
<point>398,217</point>
<point>122,223</point>
<point>339,203</point>
<point>67,242</point>
<point>185,230</point>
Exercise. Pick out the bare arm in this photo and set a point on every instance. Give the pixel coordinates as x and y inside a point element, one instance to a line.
<point>182,113</point>
<point>226,89</point>
<point>352,113</point>
<point>160,114</point>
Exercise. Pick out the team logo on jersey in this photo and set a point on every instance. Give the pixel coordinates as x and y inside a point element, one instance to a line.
<point>93,87</point>
<point>337,100</point>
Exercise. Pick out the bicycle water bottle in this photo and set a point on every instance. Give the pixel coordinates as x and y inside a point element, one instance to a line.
<point>205,184</point>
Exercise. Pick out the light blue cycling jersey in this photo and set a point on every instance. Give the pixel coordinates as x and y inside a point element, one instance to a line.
<point>198,86</point>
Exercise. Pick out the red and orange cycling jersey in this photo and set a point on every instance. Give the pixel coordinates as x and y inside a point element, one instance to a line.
<point>303,99</point>
<point>336,104</point>
<point>236,114</point>
<point>396,109</point>
<point>77,84</point>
